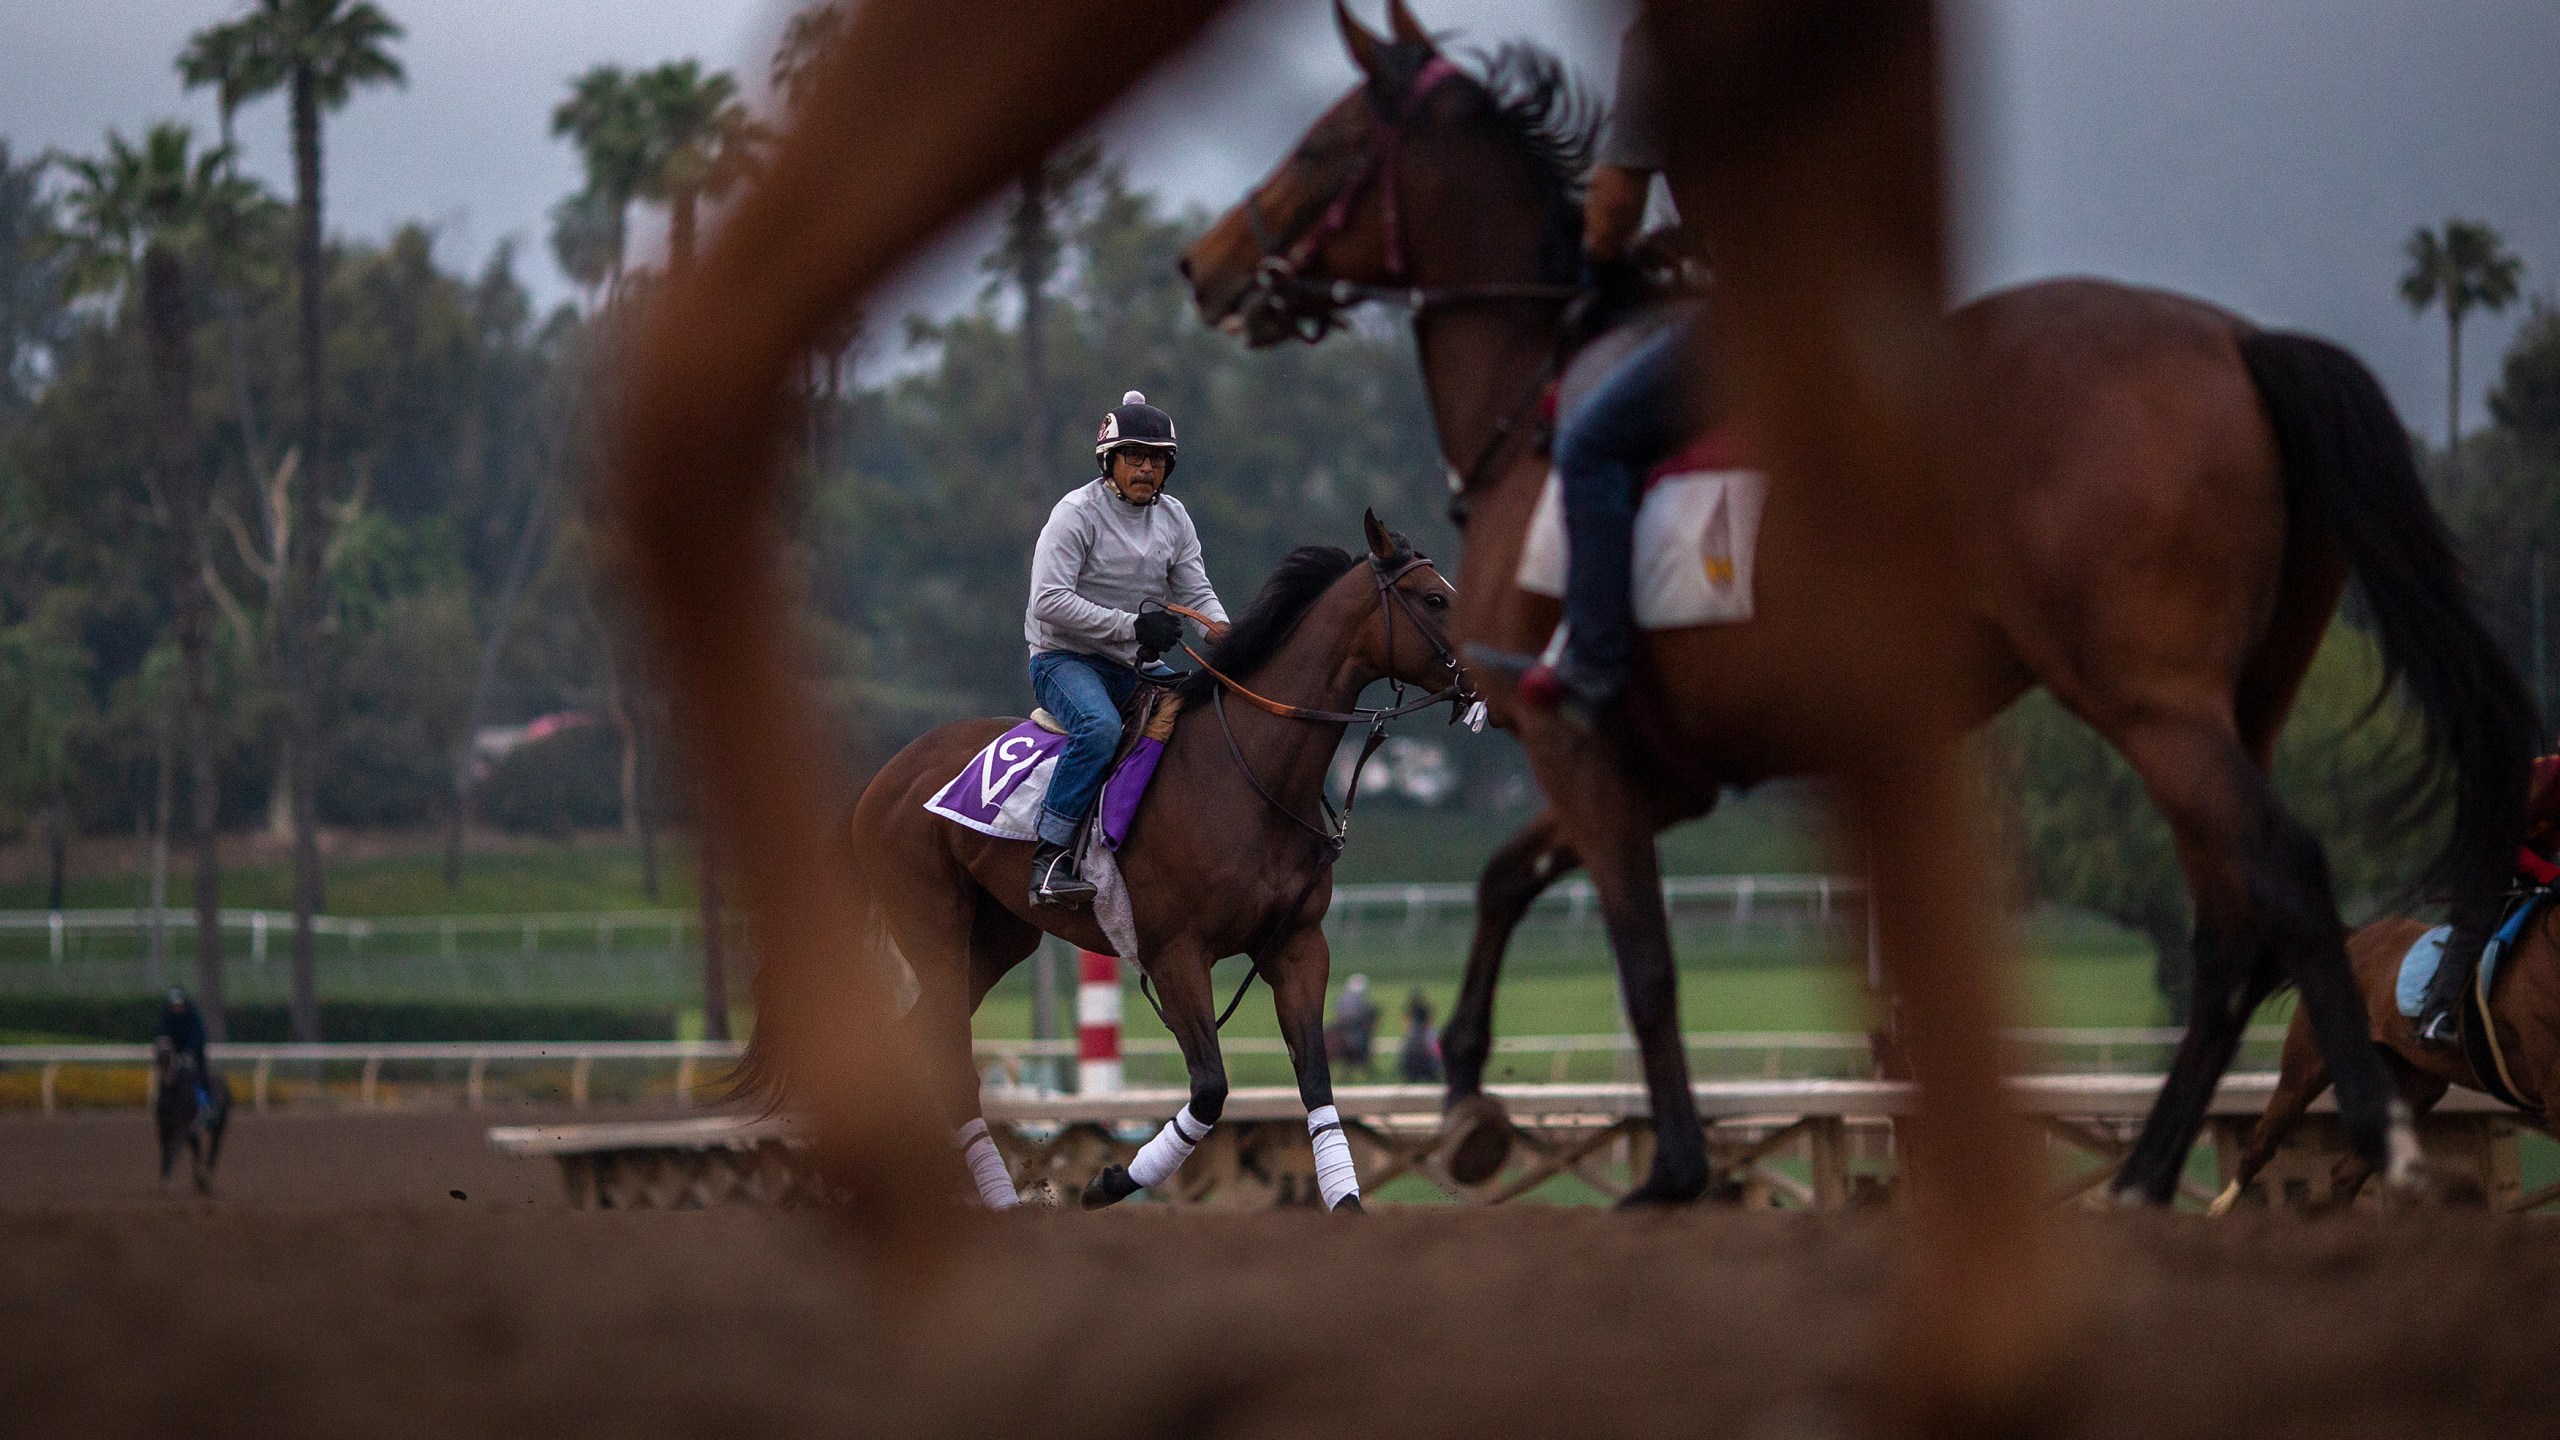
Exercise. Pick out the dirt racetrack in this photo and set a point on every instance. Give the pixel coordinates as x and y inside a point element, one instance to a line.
<point>336,1289</point>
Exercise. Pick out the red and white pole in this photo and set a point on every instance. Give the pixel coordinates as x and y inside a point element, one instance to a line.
<point>1097,1023</point>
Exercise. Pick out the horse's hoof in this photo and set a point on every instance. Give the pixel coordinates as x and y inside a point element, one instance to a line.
<point>2224,1203</point>
<point>1475,1139</point>
<point>1350,1206</point>
<point>1109,1188</point>
<point>1663,1189</point>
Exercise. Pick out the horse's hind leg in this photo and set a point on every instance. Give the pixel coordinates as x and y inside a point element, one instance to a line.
<point>1299,970</point>
<point>1181,975</point>
<point>2303,1076</point>
<point>2262,899</point>
<point>1513,879</point>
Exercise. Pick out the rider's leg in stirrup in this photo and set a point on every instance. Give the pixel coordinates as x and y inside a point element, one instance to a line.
<point>1084,693</point>
<point>1602,451</point>
<point>2440,1011</point>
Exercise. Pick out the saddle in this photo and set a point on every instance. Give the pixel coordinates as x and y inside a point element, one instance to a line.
<point>1148,714</point>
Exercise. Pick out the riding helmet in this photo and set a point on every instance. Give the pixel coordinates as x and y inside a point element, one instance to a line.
<point>1135,423</point>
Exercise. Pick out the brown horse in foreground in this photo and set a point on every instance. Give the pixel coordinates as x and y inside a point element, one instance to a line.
<point>2524,1006</point>
<point>1228,856</point>
<point>2167,505</point>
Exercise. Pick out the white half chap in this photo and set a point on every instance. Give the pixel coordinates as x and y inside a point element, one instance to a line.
<point>986,1166</point>
<point>1336,1176</point>
<point>1161,1156</point>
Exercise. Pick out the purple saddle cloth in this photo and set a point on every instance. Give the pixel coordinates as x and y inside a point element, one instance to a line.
<point>999,791</point>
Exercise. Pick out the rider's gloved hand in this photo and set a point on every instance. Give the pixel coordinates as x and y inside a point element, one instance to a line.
<point>1610,288</point>
<point>1158,631</point>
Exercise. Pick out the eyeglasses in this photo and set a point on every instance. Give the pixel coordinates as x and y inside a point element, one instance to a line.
<point>1147,458</point>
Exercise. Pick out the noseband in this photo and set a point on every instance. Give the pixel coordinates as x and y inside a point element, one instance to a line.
<point>1312,308</point>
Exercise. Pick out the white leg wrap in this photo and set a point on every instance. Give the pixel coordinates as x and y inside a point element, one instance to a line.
<point>986,1166</point>
<point>1335,1174</point>
<point>1160,1157</point>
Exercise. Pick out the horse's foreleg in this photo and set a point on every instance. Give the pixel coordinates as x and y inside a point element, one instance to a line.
<point>1612,827</point>
<point>1299,970</point>
<point>1182,987</point>
<point>214,1131</point>
<point>2304,1075</point>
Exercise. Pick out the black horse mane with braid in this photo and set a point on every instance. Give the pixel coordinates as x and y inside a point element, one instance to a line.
<point>1253,637</point>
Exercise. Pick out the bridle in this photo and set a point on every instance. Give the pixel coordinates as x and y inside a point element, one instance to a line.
<point>1335,831</point>
<point>1313,308</point>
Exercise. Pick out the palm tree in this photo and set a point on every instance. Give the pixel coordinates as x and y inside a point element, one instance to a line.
<point>144,218</point>
<point>317,52</point>
<point>606,119</point>
<point>701,144</point>
<point>2463,265</point>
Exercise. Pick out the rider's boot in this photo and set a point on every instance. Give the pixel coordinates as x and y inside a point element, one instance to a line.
<point>1054,880</point>
<point>2439,1024</point>
<point>1581,693</point>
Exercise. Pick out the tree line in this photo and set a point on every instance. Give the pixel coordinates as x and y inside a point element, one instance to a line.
<point>282,526</point>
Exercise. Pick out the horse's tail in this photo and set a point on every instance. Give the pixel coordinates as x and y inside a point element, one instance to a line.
<point>2348,463</point>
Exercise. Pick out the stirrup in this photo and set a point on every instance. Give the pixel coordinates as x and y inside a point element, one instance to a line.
<point>2440,1030</point>
<point>1045,886</point>
<point>1541,685</point>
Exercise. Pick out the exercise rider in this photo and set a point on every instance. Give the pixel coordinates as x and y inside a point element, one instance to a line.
<point>182,1025</point>
<point>2440,1010</point>
<point>1629,422</point>
<point>1112,546</point>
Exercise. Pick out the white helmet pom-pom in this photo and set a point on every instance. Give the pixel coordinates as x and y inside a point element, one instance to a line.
<point>1133,398</point>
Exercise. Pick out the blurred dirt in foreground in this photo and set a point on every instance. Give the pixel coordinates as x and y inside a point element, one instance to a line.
<point>336,1288</point>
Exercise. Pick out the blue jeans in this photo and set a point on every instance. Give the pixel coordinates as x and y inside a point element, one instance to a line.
<point>1603,449</point>
<point>1084,692</point>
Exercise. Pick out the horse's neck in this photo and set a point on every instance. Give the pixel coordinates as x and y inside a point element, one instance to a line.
<point>1482,367</point>
<point>1314,669</point>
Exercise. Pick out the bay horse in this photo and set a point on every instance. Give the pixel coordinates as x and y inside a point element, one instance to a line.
<point>2165,505</point>
<point>184,1117</point>
<point>1230,854</point>
<point>2524,1005</point>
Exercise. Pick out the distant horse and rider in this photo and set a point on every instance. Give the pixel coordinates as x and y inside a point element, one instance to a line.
<point>2169,503</point>
<point>1231,853</point>
<point>2509,1021</point>
<point>191,1102</point>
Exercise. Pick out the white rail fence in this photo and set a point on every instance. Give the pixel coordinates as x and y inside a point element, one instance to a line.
<point>444,1068</point>
<point>647,956</point>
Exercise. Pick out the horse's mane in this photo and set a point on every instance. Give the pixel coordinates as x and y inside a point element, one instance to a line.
<point>1555,121</point>
<point>1252,638</point>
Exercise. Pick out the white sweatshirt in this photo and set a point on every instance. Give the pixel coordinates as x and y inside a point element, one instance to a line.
<point>1098,558</point>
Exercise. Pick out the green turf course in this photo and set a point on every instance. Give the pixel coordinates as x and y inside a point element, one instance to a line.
<point>1760,834</point>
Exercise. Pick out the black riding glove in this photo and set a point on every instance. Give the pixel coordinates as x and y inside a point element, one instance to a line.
<point>1158,631</point>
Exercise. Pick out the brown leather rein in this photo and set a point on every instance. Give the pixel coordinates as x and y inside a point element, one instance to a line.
<point>1457,689</point>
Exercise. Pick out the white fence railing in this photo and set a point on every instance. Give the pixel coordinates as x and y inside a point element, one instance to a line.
<point>1743,897</point>
<point>1770,1054</point>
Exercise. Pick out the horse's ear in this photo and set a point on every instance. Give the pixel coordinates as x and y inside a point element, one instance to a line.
<point>1407,30</point>
<point>1382,541</point>
<point>1364,47</point>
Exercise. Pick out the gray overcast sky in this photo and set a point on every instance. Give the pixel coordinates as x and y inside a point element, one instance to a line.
<point>2270,155</point>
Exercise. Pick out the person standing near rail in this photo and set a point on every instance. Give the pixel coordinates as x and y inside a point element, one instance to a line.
<point>1112,545</point>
